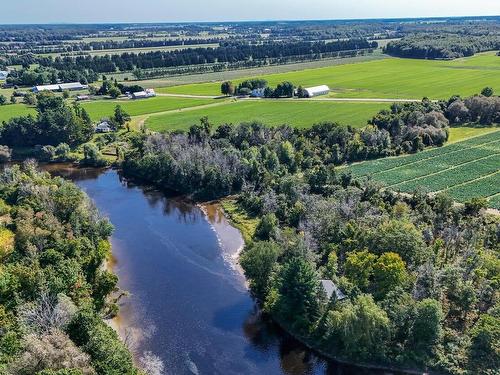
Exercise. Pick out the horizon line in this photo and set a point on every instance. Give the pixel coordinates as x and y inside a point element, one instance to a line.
<point>245,21</point>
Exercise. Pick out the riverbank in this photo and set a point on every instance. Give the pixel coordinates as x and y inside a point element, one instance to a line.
<point>241,220</point>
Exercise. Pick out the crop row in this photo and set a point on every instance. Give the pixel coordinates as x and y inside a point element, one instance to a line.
<point>452,177</point>
<point>484,187</point>
<point>435,165</point>
<point>495,202</point>
<point>381,165</point>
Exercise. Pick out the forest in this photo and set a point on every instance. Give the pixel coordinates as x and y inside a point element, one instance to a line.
<point>229,52</point>
<point>54,291</point>
<point>442,46</point>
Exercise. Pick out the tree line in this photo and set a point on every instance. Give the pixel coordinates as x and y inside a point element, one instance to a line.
<point>442,46</point>
<point>57,47</point>
<point>191,56</point>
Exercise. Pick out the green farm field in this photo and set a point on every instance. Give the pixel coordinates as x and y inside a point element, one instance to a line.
<point>390,78</point>
<point>239,74</point>
<point>465,170</point>
<point>294,113</point>
<point>105,108</point>
<point>14,110</point>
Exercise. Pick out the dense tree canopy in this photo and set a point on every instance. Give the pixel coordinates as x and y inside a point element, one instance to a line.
<point>53,290</point>
<point>56,122</point>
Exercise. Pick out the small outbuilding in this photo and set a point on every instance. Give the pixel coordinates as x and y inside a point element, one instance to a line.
<point>3,74</point>
<point>331,289</point>
<point>311,92</point>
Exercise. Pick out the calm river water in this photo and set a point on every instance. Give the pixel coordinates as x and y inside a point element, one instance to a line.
<point>188,300</point>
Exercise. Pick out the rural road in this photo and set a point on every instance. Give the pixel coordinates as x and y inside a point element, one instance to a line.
<point>355,100</point>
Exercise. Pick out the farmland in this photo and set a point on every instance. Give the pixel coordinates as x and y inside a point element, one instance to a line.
<point>105,108</point>
<point>464,169</point>
<point>14,110</point>
<point>238,74</point>
<point>294,113</point>
<point>387,78</point>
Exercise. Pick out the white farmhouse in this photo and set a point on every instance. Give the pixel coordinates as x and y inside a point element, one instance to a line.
<point>317,91</point>
<point>103,127</point>
<point>258,93</point>
<point>3,74</point>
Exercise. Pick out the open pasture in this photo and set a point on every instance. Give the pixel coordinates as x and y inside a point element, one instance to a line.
<point>390,78</point>
<point>105,108</point>
<point>279,112</point>
<point>15,110</point>
<point>464,169</point>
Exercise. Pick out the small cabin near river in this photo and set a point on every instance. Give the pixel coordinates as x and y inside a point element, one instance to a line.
<point>331,290</point>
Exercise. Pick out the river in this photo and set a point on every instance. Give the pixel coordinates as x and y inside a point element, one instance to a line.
<point>188,300</point>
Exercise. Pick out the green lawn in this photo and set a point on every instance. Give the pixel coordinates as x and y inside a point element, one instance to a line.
<point>388,78</point>
<point>295,113</point>
<point>105,108</point>
<point>14,110</point>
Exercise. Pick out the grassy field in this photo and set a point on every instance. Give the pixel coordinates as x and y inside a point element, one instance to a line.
<point>239,74</point>
<point>105,108</point>
<point>465,170</point>
<point>14,110</point>
<point>388,78</point>
<point>294,113</point>
<point>462,133</point>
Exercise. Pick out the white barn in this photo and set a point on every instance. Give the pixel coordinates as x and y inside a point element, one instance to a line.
<point>317,91</point>
<point>148,93</point>
<point>72,86</point>
<point>37,89</point>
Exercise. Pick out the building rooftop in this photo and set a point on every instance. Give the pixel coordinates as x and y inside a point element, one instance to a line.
<point>330,289</point>
<point>317,89</point>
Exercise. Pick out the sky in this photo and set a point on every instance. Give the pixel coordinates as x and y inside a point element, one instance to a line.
<point>88,11</point>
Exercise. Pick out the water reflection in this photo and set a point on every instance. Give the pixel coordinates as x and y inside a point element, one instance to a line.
<point>188,297</point>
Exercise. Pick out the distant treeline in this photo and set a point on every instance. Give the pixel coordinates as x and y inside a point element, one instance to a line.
<point>192,56</point>
<point>443,46</point>
<point>57,47</point>
<point>220,67</point>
